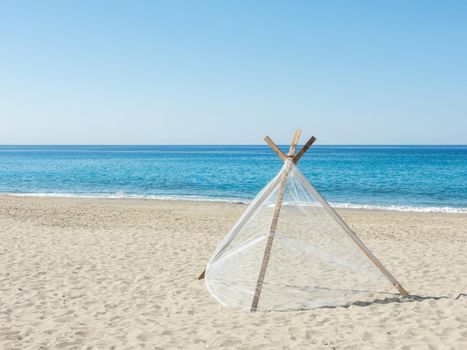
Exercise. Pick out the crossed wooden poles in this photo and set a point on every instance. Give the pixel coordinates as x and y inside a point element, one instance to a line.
<point>292,158</point>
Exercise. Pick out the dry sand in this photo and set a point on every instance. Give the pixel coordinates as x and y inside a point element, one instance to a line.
<point>121,274</point>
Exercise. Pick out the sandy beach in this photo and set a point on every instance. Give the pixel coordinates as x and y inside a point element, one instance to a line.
<point>79,273</point>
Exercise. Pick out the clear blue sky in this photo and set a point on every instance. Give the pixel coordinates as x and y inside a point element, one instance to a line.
<point>229,72</point>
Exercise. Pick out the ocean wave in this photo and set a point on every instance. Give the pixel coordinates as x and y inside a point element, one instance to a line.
<point>408,208</point>
<point>123,195</point>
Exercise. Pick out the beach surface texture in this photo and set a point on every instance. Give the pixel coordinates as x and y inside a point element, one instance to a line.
<point>81,273</point>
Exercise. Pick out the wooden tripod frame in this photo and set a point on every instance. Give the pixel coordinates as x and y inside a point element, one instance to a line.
<point>289,159</point>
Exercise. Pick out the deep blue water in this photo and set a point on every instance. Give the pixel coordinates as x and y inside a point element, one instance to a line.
<point>399,176</point>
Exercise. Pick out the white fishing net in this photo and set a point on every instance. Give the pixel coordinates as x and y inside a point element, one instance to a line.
<point>313,262</point>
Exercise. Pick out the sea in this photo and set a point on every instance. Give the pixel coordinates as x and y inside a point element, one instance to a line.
<point>404,178</point>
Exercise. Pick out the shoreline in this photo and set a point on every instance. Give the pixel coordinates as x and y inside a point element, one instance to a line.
<point>187,199</point>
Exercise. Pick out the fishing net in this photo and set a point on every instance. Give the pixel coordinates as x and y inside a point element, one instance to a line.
<point>308,260</point>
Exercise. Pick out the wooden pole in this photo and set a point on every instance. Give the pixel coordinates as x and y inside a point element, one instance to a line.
<point>275,148</point>
<point>305,148</point>
<point>353,236</point>
<point>275,220</point>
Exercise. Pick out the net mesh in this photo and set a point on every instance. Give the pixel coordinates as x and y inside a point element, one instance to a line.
<point>312,261</point>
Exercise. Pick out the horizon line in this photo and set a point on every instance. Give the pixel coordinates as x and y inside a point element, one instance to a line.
<point>238,144</point>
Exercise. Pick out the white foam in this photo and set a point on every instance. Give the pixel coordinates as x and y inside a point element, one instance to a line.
<point>123,195</point>
<point>401,208</point>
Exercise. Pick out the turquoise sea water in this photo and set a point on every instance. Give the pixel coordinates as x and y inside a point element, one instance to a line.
<point>422,178</point>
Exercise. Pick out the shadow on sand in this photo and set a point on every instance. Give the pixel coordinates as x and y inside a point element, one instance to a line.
<point>401,299</point>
